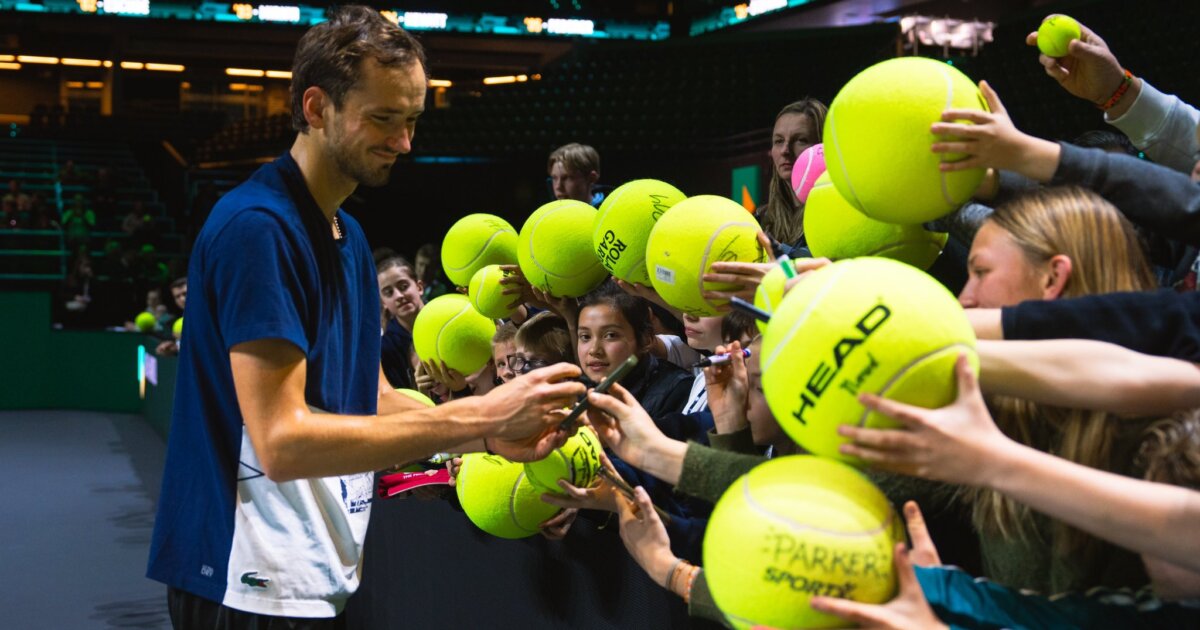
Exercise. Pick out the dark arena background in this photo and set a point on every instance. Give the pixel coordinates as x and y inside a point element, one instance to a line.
<point>123,121</point>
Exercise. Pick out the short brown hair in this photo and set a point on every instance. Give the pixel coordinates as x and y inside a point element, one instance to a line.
<point>329,55</point>
<point>547,335</point>
<point>576,158</point>
<point>505,333</point>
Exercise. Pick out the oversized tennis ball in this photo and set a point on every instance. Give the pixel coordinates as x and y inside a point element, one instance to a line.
<point>449,329</point>
<point>177,328</point>
<point>835,229</point>
<point>145,321</point>
<point>475,241</point>
<point>860,325</point>
<point>623,225</point>
<point>769,293</point>
<point>417,396</point>
<point>554,249</point>
<point>486,293</point>
<point>498,498</point>
<point>877,140</point>
<point>795,527</point>
<point>577,461</point>
<point>805,171</point>
<point>1055,34</point>
<point>688,239</point>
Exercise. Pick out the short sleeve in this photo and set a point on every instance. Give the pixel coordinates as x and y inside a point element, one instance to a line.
<point>260,277</point>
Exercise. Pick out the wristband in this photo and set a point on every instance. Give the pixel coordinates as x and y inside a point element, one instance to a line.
<point>1118,93</point>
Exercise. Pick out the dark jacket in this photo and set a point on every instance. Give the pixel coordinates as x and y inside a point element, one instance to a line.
<point>394,348</point>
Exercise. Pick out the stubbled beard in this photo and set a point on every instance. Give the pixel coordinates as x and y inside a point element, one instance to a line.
<point>355,166</point>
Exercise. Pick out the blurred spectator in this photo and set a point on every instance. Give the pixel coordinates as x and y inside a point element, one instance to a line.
<point>429,267</point>
<point>170,347</point>
<point>104,192</point>
<point>8,213</point>
<point>68,174</point>
<point>75,295</point>
<point>77,223</point>
<point>41,216</point>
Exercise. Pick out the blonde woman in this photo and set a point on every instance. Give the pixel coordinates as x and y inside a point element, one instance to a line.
<point>1049,244</point>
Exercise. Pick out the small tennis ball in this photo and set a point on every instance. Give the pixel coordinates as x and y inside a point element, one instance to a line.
<point>623,225</point>
<point>837,230</point>
<point>861,325</point>
<point>1055,34</point>
<point>449,329</point>
<point>177,328</point>
<point>795,527</point>
<point>498,498</point>
<point>145,321</point>
<point>688,239</point>
<point>486,293</point>
<point>417,396</point>
<point>805,171</point>
<point>555,252</point>
<point>577,461</point>
<point>475,241</point>
<point>769,293</point>
<point>877,140</point>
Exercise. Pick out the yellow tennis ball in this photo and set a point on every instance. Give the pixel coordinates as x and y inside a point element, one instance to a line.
<point>769,293</point>
<point>577,461</point>
<point>145,321</point>
<point>498,499</point>
<point>554,249</point>
<point>177,328</point>
<point>475,241</point>
<point>860,325</point>
<point>486,293</point>
<point>877,140</point>
<point>449,329</point>
<point>1055,34</point>
<point>417,396</point>
<point>793,528</point>
<point>835,229</point>
<point>623,225</point>
<point>688,239</point>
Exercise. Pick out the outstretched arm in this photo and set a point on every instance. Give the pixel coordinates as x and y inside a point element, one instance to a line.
<point>1084,374</point>
<point>961,444</point>
<point>293,442</point>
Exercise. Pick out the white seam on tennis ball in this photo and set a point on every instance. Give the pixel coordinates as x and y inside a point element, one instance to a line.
<point>761,509</point>
<point>611,199</point>
<point>829,284</point>
<point>840,162</point>
<point>533,256</point>
<point>708,250</point>
<point>804,175</point>
<point>942,156</point>
<point>437,347</point>
<point>862,420</point>
<point>481,250</point>
<point>900,243</point>
<point>512,505</point>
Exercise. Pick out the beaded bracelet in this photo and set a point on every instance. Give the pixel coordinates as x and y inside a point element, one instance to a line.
<point>687,591</point>
<point>1118,93</point>
<point>671,573</point>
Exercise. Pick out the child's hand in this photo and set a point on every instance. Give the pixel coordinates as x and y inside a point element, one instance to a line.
<point>958,443</point>
<point>557,526</point>
<point>454,466</point>
<point>623,425</point>
<point>992,141</point>
<point>728,386</point>
<point>908,610</point>
<point>452,379</point>
<point>516,285</point>
<point>644,535</point>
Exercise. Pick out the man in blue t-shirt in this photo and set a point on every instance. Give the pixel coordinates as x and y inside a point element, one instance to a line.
<point>281,412</point>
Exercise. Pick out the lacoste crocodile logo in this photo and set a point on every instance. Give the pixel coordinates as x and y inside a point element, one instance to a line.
<point>249,579</point>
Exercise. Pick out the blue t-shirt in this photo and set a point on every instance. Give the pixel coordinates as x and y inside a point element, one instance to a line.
<point>254,274</point>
